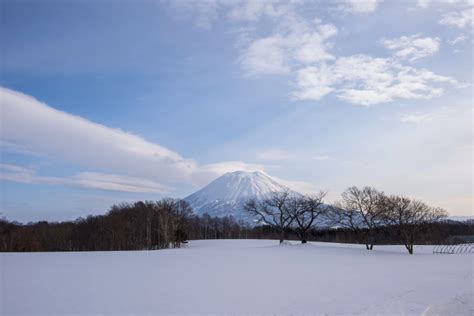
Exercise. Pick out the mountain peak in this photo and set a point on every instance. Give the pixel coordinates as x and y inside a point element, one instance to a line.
<point>227,194</point>
<point>243,173</point>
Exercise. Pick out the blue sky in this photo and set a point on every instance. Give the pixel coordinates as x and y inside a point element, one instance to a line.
<point>103,102</point>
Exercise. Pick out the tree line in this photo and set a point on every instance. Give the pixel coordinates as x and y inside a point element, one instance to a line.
<point>137,226</point>
<point>362,216</point>
<point>362,211</point>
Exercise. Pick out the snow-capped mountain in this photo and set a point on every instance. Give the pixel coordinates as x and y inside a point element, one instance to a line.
<point>227,194</point>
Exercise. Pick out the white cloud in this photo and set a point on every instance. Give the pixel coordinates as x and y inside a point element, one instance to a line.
<point>459,39</point>
<point>359,6</point>
<point>253,10</point>
<point>460,19</point>
<point>8,147</point>
<point>29,125</point>
<point>93,180</point>
<point>39,128</point>
<point>438,114</point>
<point>459,16</point>
<point>310,47</point>
<point>413,47</point>
<point>314,82</point>
<point>265,56</point>
<point>423,3</point>
<point>14,170</point>
<point>298,46</point>
<point>415,117</point>
<point>382,80</point>
<point>322,158</point>
<point>114,182</point>
<point>295,41</point>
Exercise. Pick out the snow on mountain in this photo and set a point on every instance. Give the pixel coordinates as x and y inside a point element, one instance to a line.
<point>227,194</point>
<point>461,218</point>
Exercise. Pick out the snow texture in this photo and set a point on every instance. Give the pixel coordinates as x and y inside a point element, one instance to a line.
<point>235,277</point>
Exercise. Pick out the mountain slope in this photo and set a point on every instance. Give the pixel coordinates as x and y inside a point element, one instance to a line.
<point>227,194</point>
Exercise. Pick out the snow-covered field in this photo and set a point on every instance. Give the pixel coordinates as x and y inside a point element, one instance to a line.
<point>236,277</point>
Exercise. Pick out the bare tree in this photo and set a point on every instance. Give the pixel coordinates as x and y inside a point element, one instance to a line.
<point>272,211</point>
<point>182,213</point>
<point>305,210</point>
<point>361,211</point>
<point>409,216</point>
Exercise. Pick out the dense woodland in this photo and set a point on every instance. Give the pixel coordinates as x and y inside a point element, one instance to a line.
<point>363,216</point>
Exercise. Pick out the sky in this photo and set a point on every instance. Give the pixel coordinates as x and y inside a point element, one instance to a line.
<point>105,102</point>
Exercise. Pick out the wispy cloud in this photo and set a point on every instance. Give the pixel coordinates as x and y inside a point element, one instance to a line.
<point>295,41</point>
<point>415,117</point>
<point>460,19</point>
<point>429,115</point>
<point>459,12</point>
<point>8,147</point>
<point>359,6</point>
<point>93,180</point>
<point>43,129</point>
<point>115,182</point>
<point>413,47</point>
<point>265,56</point>
<point>31,126</point>
<point>423,3</point>
<point>458,39</point>
<point>254,10</point>
<point>301,49</point>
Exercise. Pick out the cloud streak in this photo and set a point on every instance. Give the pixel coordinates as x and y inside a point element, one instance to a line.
<point>30,126</point>
<point>40,128</point>
<point>415,118</point>
<point>359,6</point>
<point>413,47</point>
<point>91,180</point>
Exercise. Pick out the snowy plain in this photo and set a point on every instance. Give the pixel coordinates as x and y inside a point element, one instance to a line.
<point>235,277</point>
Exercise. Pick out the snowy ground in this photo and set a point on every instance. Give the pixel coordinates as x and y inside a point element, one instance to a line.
<point>239,277</point>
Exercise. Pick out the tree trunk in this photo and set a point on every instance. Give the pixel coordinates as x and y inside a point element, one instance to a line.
<point>303,237</point>
<point>282,235</point>
<point>371,240</point>
<point>409,248</point>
